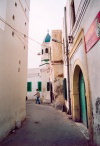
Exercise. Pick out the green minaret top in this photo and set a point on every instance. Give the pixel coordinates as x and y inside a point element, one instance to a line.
<point>47,38</point>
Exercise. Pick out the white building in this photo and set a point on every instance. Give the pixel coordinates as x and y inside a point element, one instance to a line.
<point>83,34</point>
<point>45,69</point>
<point>33,82</point>
<point>14,19</point>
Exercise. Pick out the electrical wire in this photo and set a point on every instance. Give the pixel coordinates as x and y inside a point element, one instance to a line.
<point>20,37</point>
<point>18,31</point>
<point>24,42</point>
<point>23,10</point>
<point>21,33</point>
<point>27,5</point>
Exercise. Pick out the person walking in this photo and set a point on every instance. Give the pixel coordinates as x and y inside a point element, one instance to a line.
<point>38,96</point>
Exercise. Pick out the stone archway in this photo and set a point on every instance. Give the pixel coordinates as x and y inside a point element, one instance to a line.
<point>77,67</point>
<point>76,104</point>
<point>79,98</point>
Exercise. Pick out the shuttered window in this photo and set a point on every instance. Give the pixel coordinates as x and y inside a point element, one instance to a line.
<point>29,86</point>
<point>39,86</point>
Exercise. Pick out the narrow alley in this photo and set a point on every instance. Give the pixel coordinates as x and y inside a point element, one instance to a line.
<point>45,126</point>
<point>50,53</point>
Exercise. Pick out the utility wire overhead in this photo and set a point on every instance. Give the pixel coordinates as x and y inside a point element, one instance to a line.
<point>20,33</point>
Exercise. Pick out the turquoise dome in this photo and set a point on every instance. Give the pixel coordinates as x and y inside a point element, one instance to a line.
<point>47,38</point>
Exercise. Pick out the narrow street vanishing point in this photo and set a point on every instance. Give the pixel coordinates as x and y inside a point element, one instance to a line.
<point>45,126</point>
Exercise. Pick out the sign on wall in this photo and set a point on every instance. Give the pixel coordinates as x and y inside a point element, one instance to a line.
<point>93,33</point>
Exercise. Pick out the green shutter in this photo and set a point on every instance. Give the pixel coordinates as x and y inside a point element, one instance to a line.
<point>29,86</point>
<point>39,86</point>
<point>65,88</point>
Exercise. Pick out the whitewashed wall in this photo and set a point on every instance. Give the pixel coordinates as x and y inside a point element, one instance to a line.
<point>92,59</point>
<point>45,72</point>
<point>45,77</point>
<point>34,77</point>
<point>13,66</point>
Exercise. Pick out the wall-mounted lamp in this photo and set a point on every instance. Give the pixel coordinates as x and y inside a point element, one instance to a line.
<point>57,41</point>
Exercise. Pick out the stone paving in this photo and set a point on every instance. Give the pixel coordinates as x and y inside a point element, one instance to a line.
<point>45,126</point>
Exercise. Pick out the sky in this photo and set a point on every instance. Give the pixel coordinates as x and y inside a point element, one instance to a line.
<point>44,15</point>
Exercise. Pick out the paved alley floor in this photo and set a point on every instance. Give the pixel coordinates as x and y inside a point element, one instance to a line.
<point>45,126</point>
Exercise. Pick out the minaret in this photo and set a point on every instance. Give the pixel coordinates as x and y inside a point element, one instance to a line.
<point>45,68</point>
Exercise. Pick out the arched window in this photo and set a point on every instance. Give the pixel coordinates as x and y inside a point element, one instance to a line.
<point>46,50</point>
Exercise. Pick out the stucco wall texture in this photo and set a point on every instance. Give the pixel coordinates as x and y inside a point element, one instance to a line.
<point>45,72</point>
<point>45,77</point>
<point>13,65</point>
<point>34,77</point>
<point>57,63</point>
<point>89,61</point>
<point>94,68</point>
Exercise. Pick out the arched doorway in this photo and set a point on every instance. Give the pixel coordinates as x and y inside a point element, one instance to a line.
<point>79,97</point>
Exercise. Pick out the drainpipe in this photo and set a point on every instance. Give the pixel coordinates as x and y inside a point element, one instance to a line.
<point>67,55</point>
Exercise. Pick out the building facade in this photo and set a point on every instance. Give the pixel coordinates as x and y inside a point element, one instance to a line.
<point>45,69</point>
<point>33,82</point>
<point>56,68</point>
<point>83,37</point>
<point>14,19</point>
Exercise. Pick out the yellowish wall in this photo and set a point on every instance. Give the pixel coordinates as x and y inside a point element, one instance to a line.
<point>56,48</point>
<point>56,62</point>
